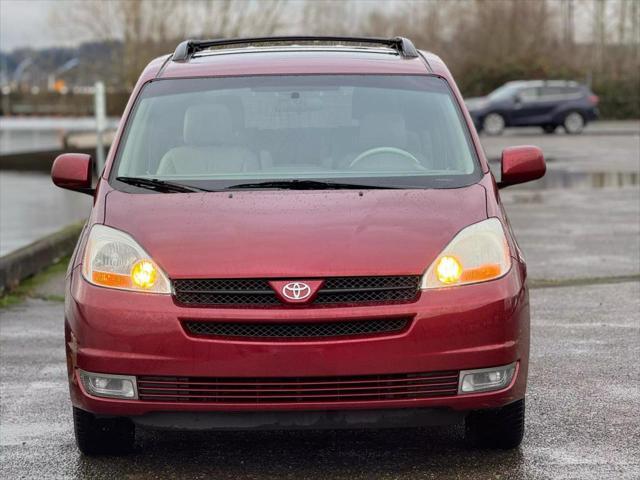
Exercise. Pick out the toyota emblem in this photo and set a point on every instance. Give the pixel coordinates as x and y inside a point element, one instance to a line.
<point>296,290</point>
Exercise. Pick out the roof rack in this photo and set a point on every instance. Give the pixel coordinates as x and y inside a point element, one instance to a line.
<point>186,49</point>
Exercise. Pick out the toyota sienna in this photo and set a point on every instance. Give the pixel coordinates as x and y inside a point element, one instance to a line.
<point>296,232</point>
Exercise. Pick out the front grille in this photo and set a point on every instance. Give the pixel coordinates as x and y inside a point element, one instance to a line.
<point>335,291</point>
<point>232,291</point>
<point>297,330</point>
<point>298,390</point>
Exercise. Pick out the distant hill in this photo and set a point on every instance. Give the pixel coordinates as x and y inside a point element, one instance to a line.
<point>95,61</point>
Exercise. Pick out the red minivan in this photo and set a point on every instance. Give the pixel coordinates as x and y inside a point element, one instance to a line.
<point>296,232</point>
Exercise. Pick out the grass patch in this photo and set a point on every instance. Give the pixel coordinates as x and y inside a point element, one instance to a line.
<point>29,287</point>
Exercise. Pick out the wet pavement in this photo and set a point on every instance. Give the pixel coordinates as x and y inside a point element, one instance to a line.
<point>583,398</point>
<point>582,409</point>
<point>589,152</point>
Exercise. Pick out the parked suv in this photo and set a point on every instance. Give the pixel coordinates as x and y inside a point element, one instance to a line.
<point>296,233</point>
<point>546,104</point>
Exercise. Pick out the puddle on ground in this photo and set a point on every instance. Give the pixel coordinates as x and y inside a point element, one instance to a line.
<point>562,179</point>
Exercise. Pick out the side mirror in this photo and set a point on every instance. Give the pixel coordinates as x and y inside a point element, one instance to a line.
<point>520,165</point>
<point>73,171</point>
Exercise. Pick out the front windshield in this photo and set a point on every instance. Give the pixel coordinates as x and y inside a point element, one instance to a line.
<point>374,130</point>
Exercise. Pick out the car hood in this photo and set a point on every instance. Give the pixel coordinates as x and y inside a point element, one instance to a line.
<point>285,233</point>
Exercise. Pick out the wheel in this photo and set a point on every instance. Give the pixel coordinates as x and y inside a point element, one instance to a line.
<point>573,123</point>
<point>500,428</point>
<point>98,435</point>
<point>493,124</point>
<point>549,128</point>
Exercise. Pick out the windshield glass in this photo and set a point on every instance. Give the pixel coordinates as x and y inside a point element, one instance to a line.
<point>376,130</point>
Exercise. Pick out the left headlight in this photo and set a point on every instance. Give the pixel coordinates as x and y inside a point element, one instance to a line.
<point>478,253</point>
<point>115,260</point>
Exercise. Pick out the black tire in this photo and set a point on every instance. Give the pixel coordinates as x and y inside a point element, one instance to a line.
<point>549,128</point>
<point>500,428</point>
<point>95,436</point>
<point>493,124</point>
<point>574,123</point>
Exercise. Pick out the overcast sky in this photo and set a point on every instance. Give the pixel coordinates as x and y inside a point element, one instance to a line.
<point>25,23</point>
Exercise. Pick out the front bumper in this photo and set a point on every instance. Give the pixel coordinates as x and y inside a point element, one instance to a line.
<point>592,114</point>
<point>474,326</point>
<point>300,420</point>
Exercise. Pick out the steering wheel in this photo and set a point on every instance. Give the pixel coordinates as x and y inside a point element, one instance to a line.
<point>378,150</point>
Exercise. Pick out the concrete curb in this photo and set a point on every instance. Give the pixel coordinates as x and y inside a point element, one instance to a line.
<point>29,260</point>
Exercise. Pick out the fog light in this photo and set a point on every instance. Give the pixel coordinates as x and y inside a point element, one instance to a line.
<point>107,385</point>
<point>486,379</point>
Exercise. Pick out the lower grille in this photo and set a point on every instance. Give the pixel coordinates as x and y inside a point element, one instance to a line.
<point>298,390</point>
<point>297,330</point>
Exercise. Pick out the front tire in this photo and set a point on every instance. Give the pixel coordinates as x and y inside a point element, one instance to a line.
<point>95,436</point>
<point>500,428</point>
<point>574,123</point>
<point>549,129</point>
<point>493,124</point>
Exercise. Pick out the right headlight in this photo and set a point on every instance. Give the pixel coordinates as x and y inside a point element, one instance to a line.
<point>115,260</point>
<point>478,253</point>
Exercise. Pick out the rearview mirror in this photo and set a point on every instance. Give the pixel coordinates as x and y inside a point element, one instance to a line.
<point>520,165</point>
<point>73,172</point>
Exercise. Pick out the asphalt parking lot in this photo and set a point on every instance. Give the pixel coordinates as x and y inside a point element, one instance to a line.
<point>580,231</point>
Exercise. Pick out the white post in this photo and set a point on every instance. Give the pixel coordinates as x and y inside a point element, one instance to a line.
<point>100,109</point>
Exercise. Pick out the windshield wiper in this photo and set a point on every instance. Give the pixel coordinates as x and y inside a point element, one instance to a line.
<point>159,185</point>
<point>305,185</point>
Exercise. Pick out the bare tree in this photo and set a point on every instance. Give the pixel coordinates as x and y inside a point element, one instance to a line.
<point>329,17</point>
<point>233,18</point>
<point>567,13</point>
<point>599,33</point>
<point>148,28</point>
<point>484,42</point>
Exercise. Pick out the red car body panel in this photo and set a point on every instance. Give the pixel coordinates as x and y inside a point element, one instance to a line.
<point>297,234</point>
<point>276,234</point>
<point>473,326</point>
